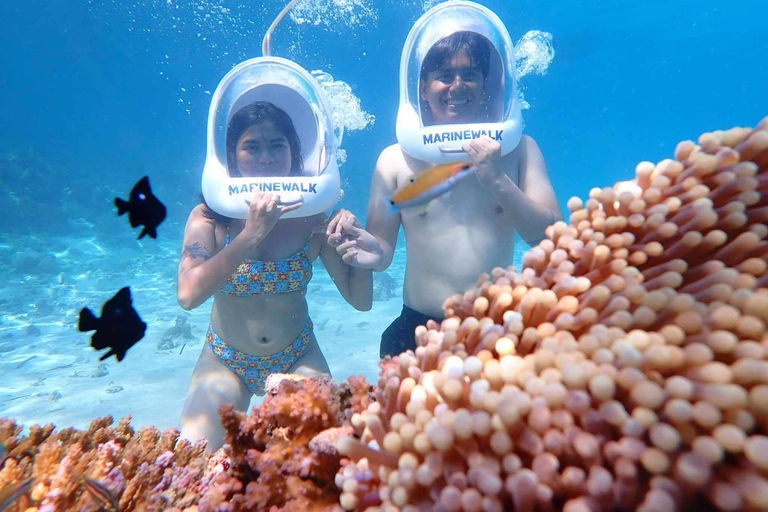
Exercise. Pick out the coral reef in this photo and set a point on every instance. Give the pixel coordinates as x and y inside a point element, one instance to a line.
<point>624,368</point>
<point>144,470</point>
<point>384,286</point>
<point>22,174</point>
<point>174,336</point>
<point>281,457</point>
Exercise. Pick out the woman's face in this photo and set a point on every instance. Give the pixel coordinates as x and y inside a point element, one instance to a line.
<point>263,151</point>
<point>454,91</point>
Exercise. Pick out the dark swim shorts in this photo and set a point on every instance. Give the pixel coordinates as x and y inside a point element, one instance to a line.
<point>399,335</point>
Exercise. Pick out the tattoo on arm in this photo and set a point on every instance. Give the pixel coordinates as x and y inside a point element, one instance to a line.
<point>196,250</point>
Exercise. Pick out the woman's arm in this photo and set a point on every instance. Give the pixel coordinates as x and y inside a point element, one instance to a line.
<point>202,270</point>
<point>354,284</point>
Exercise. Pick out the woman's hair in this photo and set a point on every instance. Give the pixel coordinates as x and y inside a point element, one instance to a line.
<point>255,114</point>
<point>477,47</point>
<point>208,213</point>
<point>252,115</point>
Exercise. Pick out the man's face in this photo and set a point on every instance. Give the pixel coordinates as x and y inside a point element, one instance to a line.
<point>454,91</point>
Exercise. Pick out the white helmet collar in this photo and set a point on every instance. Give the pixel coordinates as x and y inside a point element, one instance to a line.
<point>290,88</point>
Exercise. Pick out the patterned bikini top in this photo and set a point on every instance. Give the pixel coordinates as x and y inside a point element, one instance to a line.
<point>253,277</point>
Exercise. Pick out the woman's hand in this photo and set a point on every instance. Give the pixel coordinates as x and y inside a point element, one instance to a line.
<point>264,210</point>
<point>356,246</point>
<point>334,228</point>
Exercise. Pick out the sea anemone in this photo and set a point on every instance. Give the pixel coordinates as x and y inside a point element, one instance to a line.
<point>624,368</point>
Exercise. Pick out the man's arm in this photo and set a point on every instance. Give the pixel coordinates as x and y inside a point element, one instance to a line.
<point>382,220</point>
<point>533,203</point>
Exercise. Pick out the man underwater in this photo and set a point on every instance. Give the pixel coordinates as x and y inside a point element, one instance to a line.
<point>469,230</point>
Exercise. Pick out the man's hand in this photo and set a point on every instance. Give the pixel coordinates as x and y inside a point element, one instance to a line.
<point>486,154</point>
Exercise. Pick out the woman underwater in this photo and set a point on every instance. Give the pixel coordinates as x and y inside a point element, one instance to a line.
<point>258,270</point>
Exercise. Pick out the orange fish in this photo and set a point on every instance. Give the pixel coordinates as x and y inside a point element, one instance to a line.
<point>424,186</point>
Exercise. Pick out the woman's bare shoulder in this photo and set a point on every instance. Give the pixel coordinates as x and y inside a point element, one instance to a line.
<point>201,225</point>
<point>200,215</point>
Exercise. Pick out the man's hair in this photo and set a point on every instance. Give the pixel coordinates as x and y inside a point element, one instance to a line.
<point>255,114</point>
<point>477,47</point>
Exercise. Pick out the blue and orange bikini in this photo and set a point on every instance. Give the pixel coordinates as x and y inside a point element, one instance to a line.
<point>254,277</point>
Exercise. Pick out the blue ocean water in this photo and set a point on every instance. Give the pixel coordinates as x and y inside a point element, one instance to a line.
<point>97,94</point>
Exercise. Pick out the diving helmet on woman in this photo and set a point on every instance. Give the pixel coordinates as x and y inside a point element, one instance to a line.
<point>270,175</point>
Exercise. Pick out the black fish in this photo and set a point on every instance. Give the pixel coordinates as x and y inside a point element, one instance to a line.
<point>119,327</point>
<point>144,209</point>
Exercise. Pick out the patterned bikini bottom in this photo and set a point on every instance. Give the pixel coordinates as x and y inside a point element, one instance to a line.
<point>254,370</point>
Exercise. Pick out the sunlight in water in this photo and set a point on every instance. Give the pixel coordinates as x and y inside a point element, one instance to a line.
<point>428,4</point>
<point>334,14</point>
<point>534,53</point>
<point>348,114</point>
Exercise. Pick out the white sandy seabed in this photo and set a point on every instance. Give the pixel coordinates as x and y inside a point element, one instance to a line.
<point>49,373</point>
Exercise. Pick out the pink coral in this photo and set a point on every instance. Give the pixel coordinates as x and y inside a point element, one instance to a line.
<point>271,451</point>
<point>281,457</point>
<point>624,368</point>
<point>117,457</point>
